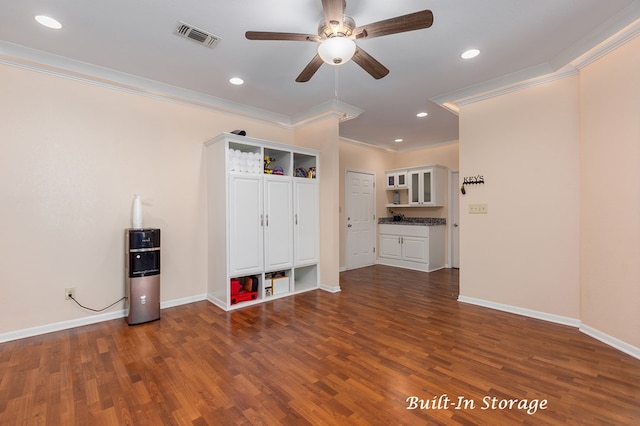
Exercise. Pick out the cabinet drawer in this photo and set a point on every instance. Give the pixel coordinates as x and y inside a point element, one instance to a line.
<point>404,230</point>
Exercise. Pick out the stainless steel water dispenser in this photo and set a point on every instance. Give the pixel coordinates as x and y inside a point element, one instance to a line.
<point>142,271</point>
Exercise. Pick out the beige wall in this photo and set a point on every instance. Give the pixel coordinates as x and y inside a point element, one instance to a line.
<point>610,194</point>
<point>525,251</point>
<point>561,164</point>
<point>72,155</point>
<point>445,154</point>
<point>361,157</point>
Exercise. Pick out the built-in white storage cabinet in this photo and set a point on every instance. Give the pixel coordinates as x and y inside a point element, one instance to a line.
<point>263,220</point>
<point>412,247</point>
<point>424,186</point>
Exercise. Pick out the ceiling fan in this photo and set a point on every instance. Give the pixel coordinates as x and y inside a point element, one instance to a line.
<point>336,35</point>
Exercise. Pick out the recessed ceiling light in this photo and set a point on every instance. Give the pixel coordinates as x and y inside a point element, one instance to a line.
<point>471,53</point>
<point>236,80</point>
<point>398,140</point>
<point>422,114</point>
<point>48,22</point>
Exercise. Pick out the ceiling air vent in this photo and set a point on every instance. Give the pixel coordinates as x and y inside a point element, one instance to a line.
<point>196,34</point>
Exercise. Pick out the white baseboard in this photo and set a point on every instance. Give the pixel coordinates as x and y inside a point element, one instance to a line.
<point>78,322</point>
<point>331,289</point>
<point>589,331</point>
<point>573,322</point>
<point>183,301</point>
<point>611,341</point>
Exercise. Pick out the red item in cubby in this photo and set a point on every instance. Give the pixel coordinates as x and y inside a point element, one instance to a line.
<point>235,286</point>
<point>245,295</point>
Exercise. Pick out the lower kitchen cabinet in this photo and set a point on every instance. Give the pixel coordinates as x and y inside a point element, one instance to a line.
<point>413,247</point>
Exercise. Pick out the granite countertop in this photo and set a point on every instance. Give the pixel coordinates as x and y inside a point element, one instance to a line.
<point>417,221</point>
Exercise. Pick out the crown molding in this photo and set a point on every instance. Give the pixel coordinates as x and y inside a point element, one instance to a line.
<point>331,107</point>
<point>550,71</point>
<point>39,61</point>
<point>604,38</point>
<point>609,45</point>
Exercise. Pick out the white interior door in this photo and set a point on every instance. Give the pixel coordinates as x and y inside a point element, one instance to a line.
<point>454,215</point>
<point>360,219</point>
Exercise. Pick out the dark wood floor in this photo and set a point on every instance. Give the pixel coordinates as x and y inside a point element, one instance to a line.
<point>357,357</point>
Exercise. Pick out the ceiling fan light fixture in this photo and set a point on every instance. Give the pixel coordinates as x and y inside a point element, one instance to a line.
<point>337,50</point>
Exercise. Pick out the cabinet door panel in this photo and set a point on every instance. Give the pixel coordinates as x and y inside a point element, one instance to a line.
<point>415,249</point>
<point>390,246</point>
<point>245,225</point>
<point>426,186</point>
<point>306,221</point>
<point>391,181</point>
<point>278,223</point>
<point>414,188</point>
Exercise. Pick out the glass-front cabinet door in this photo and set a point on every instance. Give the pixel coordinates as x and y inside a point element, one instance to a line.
<point>402,180</point>
<point>421,187</point>
<point>426,186</point>
<point>396,180</point>
<point>414,187</point>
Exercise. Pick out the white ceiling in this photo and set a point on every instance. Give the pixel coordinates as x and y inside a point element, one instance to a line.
<point>134,42</point>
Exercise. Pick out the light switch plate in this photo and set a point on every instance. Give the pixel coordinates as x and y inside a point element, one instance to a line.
<point>477,208</point>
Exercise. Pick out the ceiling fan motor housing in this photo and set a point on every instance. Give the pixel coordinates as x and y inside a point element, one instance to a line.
<point>348,24</point>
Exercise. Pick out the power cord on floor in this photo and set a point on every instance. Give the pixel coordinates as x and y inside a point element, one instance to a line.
<point>96,310</point>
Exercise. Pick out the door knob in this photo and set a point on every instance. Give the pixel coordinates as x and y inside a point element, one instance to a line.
<point>455,225</point>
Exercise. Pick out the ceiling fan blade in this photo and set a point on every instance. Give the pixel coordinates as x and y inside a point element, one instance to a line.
<point>310,69</point>
<point>265,35</point>
<point>369,64</point>
<point>399,24</point>
<point>333,12</point>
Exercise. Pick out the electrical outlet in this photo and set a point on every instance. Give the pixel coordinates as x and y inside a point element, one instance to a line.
<point>69,293</point>
<point>478,208</point>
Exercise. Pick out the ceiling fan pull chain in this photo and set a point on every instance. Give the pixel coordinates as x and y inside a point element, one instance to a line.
<point>335,89</point>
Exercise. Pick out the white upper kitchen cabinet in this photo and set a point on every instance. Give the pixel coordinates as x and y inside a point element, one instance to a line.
<point>427,186</point>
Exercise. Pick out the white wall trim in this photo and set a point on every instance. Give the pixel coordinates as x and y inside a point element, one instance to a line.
<point>521,85</point>
<point>450,221</point>
<point>559,319</point>
<point>565,65</point>
<point>330,289</point>
<point>611,341</point>
<point>93,319</point>
<point>47,63</point>
<point>183,301</point>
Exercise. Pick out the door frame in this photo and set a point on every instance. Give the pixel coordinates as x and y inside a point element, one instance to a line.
<point>347,204</point>
<point>453,189</point>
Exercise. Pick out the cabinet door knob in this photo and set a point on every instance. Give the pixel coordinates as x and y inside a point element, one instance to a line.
<point>349,226</point>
